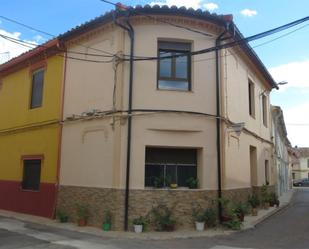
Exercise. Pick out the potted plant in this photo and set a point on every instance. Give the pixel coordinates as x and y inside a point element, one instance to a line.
<point>192,183</point>
<point>254,202</point>
<point>210,217</point>
<point>227,211</point>
<point>107,221</point>
<point>173,185</point>
<point>198,215</point>
<point>234,223</point>
<point>158,182</point>
<point>82,215</point>
<point>162,218</point>
<point>62,216</point>
<point>240,209</point>
<point>273,199</point>
<point>139,224</point>
<point>265,197</point>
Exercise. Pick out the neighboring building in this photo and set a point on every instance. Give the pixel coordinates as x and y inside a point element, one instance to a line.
<point>129,129</point>
<point>301,170</point>
<point>281,150</point>
<point>294,166</point>
<point>30,107</point>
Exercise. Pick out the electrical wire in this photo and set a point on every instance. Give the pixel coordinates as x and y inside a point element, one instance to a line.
<point>203,51</point>
<point>51,35</point>
<point>22,43</point>
<point>139,12</point>
<point>259,45</point>
<point>230,44</point>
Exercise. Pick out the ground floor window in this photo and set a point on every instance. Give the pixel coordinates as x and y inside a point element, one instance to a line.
<point>31,174</point>
<point>166,166</point>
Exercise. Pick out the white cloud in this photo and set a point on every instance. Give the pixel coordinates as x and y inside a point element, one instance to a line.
<point>11,47</point>
<point>211,6</point>
<point>38,38</point>
<point>195,4</point>
<point>297,123</point>
<point>295,73</point>
<point>248,12</point>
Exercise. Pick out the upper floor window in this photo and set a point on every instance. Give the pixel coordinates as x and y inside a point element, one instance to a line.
<point>37,89</point>
<point>264,109</point>
<point>174,73</point>
<point>251,99</point>
<point>32,174</point>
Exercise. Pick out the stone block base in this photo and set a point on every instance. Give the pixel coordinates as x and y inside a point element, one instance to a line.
<point>141,202</point>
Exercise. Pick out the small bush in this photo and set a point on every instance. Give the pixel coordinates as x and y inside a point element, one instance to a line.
<point>162,218</point>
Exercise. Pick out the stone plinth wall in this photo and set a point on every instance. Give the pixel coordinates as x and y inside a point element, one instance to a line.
<point>237,195</point>
<point>141,202</point>
<point>98,200</point>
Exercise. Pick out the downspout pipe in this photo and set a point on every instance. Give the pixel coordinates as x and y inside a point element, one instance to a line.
<point>130,32</point>
<point>218,120</point>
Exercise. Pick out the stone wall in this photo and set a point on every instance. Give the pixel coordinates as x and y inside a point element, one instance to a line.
<point>141,202</point>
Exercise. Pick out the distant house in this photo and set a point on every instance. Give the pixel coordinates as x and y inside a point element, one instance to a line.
<point>281,150</point>
<point>301,170</point>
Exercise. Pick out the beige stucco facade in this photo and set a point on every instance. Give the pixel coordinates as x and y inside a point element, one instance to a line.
<point>94,142</point>
<point>90,86</point>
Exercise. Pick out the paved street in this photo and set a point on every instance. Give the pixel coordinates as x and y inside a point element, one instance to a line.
<point>287,229</point>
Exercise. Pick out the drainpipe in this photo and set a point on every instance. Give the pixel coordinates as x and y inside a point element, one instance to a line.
<point>130,31</point>
<point>218,114</point>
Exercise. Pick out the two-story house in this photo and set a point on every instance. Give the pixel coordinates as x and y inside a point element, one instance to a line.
<point>30,134</point>
<point>301,169</point>
<point>144,110</point>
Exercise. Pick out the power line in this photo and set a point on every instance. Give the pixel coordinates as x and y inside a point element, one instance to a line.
<point>139,12</point>
<point>51,35</point>
<point>203,51</point>
<point>22,43</point>
<point>233,43</point>
<point>26,26</point>
<point>38,45</point>
<point>261,44</point>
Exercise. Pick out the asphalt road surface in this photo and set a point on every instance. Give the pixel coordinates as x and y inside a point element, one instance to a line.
<point>288,229</point>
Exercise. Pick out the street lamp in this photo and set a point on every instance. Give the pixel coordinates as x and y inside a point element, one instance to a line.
<point>281,83</point>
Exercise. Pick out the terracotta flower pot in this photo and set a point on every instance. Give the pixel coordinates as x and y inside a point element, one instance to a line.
<point>241,217</point>
<point>225,218</point>
<point>169,228</point>
<point>82,222</point>
<point>254,212</point>
<point>266,205</point>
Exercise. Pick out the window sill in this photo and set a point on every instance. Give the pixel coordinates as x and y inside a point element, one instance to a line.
<point>29,190</point>
<point>175,90</point>
<point>173,189</point>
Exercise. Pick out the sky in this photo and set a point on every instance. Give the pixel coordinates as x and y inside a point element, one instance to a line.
<point>287,57</point>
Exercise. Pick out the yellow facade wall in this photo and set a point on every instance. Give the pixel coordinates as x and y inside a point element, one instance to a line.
<point>25,131</point>
<point>39,141</point>
<point>15,96</point>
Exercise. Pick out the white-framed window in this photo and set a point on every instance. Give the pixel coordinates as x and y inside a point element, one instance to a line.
<point>174,73</point>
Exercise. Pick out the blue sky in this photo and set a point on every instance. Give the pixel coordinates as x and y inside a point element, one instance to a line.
<point>286,58</point>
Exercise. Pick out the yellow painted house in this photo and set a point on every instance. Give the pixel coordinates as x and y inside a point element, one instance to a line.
<point>30,130</point>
